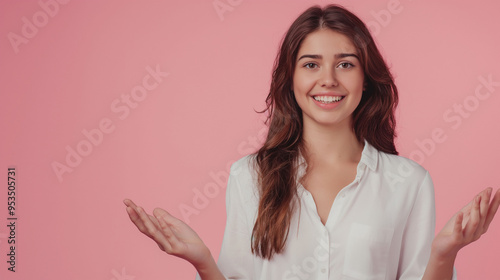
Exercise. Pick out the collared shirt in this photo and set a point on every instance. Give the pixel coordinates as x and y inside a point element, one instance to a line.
<point>380,226</point>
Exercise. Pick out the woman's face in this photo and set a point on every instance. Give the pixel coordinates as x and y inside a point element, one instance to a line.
<point>328,78</point>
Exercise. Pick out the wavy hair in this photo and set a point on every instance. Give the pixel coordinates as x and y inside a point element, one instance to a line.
<point>277,160</point>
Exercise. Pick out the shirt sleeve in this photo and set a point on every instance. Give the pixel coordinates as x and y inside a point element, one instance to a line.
<point>419,234</point>
<point>236,260</point>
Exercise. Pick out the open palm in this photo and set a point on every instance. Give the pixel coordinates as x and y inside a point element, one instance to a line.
<point>468,224</point>
<point>171,234</point>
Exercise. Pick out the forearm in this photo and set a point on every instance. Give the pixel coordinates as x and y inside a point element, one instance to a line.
<point>439,267</point>
<point>209,270</point>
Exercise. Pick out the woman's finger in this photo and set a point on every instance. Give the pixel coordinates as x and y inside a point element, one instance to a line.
<point>161,227</point>
<point>129,203</point>
<point>170,238</point>
<point>167,223</point>
<point>169,219</point>
<point>134,217</point>
<point>163,236</point>
<point>148,224</point>
<point>492,210</point>
<point>483,209</point>
<point>457,228</point>
<point>472,224</point>
<point>132,211</point>
<point>154,220</point>
<point>466,210</point>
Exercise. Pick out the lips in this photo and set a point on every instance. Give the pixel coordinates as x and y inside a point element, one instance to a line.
<point>327,100</point>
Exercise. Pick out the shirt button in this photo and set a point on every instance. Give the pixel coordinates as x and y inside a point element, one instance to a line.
<point>343,195</point>
<point>323,270</point>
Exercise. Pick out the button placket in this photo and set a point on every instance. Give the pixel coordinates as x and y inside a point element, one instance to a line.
<point>325,245</point>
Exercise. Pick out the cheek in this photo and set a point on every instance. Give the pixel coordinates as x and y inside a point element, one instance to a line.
<point>302,83</point>
<point>355,83</point>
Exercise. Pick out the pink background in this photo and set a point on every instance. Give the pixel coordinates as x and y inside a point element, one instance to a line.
<point>87,54</point>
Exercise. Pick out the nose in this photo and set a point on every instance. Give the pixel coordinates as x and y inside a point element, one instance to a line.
<point>328,78</point>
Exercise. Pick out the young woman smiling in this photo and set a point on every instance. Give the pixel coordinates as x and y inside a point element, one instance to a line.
<point>317,200</point>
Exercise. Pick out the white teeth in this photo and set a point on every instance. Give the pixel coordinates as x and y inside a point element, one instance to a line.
<point>327,99</point>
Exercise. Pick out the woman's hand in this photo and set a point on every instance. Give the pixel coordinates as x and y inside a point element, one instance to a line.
<point>467,225</point>
<point>171,234</point>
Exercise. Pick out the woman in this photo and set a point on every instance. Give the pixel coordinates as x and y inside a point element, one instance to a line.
<point>327,196</point>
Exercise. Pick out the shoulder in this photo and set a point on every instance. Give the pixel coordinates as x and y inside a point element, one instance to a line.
<point>401,165</point>
<point>402,180</point>
<point>243,176</point>
<point>244,168</point>
<point>398,172</point>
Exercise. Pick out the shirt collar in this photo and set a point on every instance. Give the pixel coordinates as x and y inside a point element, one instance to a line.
<point>369,157</point>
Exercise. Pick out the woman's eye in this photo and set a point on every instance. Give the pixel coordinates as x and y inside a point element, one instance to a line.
<point>346,65</point>
<point>310,65</point>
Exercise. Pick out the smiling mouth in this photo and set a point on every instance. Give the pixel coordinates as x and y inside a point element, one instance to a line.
<point>328,99</point>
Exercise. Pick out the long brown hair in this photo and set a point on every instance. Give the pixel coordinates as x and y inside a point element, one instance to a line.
<point>277,161</point>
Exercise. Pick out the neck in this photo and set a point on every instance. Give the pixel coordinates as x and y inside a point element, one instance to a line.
<point>331,144</point>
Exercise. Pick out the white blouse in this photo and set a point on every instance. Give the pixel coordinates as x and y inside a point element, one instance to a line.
<point>380,226</point>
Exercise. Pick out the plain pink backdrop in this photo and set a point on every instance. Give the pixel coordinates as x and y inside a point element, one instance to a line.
<point>174,148</point>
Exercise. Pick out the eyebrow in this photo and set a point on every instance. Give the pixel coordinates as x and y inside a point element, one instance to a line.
<point>337,56</point>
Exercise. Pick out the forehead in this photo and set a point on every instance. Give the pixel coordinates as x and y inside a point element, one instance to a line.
<point>326,42</point>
